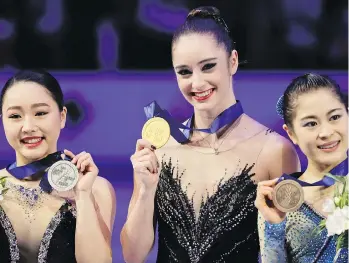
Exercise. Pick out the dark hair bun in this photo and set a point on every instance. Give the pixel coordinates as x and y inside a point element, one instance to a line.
<point>204,12</point>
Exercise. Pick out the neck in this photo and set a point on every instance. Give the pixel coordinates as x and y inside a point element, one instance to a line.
<point>22,160</point>
<point>317,171</point>
<point>204,119</point>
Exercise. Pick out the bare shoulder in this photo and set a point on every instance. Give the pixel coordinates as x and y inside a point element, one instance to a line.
<point>105,198</point>
<point>101,184</point>
<point>277,144</point>
<point>251,126</point>
<point>277,156</point>
<point>102,187</point>
<point>273,140</point>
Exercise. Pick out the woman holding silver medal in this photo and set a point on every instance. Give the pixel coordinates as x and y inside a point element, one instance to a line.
<point>198,185</point>
<point>54,207</point>
<point>292,207</point>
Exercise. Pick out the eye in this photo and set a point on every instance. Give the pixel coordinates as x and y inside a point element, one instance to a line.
<point>209,66</point>
<point>40,113</point>
<point>335,117</point>
<point>310,124</point>
<point>14,116</point>
<point>184,72</point>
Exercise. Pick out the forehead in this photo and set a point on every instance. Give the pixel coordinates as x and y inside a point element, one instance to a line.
<point>318,103</point>
<point>195,47</point>
<point>25,92</point>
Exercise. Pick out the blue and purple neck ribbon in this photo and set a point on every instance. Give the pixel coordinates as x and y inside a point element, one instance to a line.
<point>181,133</point>
<point>36,167</point>
<point>339,170</point>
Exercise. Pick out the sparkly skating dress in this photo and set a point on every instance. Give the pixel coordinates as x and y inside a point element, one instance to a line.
<point>58,241</point>
<point>204,203</point>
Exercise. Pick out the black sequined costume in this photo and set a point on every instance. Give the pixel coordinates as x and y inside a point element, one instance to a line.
<point>57,244</point>
<point>226,228</point>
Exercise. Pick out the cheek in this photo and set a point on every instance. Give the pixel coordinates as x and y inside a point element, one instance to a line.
<point>344,126</point>
<point>219,78</point>
<point>306,140</point>
<point>11,133</point>
<point>184,85</point>
<point>10,129</point>
<point>51,127</point>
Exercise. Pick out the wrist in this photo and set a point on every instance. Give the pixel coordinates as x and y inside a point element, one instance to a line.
<point>83,195</point>
<point>146,193</point>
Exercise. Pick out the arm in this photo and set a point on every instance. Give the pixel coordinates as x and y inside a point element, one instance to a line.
<point>279,157</point>
<point>137,235</point>
<point>95,219</point>
<point>272,240</point>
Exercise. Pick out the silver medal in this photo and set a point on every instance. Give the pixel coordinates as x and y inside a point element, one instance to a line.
<point>63,176</point>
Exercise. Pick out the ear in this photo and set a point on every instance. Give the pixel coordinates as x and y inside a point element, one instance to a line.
<point>63,117</point>
<point>233,62</point>
<point>290,134</point>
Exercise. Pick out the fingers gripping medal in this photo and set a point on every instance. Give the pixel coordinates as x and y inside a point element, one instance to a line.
<point>157,131</point>
<point>63,176</point>
<point>288,196</point>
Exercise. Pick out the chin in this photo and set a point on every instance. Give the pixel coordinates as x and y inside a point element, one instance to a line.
<point>330,159</point>
<point>34,154</point>
<point>204,106</point>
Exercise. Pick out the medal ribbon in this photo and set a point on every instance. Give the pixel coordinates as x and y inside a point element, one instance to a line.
<point>340,170</point>
<point>36,167</point>
<point>228,116</point>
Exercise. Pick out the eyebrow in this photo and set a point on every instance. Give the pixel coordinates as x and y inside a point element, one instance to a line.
<point>35,105</point>
<point>314,117</point>
<point>202,61</point>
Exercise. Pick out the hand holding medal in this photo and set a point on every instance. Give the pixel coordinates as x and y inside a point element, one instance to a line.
<point>264,202</point>
<point>78,174</point>
<point>286,193</point>
<point>155,134</point>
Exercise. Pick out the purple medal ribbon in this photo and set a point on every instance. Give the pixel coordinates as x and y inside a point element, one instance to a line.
<point>340,170</point>
<point>228,116</point>
<point>36,167</point>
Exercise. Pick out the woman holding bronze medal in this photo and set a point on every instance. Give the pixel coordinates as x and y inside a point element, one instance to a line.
<point>316,119</point>
<point>198,185</point>
<point>54,207</point>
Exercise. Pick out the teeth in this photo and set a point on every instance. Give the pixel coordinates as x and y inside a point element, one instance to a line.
<point>329,146</point>
<point>32,140</point>
<point>203,94</point>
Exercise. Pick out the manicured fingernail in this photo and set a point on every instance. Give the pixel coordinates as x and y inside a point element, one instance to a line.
<point>153,147</point>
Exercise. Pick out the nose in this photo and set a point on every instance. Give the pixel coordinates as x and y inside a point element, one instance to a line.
<point>326,131</point>
<point>29,125</point>
<point>197,81</point>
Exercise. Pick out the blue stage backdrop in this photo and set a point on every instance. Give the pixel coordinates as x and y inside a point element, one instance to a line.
<point>106,118</point>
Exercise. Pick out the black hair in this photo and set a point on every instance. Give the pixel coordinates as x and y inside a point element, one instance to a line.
<point>206,20</point>
<point>40,77</point>
<point>304,84</point>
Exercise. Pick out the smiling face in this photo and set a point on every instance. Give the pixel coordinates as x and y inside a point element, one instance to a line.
<point>32,121</point>
<point>320,127</point>
<point>204,71</point>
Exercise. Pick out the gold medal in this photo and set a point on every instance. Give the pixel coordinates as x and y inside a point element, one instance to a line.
<point>288,196</point>
<point>157,131</point>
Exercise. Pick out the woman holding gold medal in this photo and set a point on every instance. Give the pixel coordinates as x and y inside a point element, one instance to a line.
<point>54,207</point>
<point>316,118</point>
<point>198,185</point>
